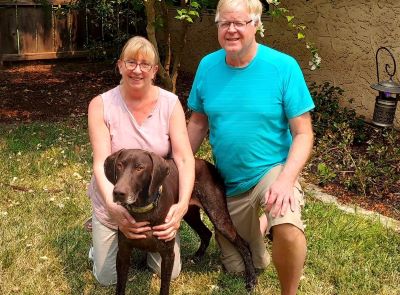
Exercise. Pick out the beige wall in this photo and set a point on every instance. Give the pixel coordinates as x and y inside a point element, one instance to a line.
<point>347,33</point>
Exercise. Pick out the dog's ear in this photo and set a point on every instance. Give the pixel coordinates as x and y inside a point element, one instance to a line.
<point>160,171</point>
<point>109,166</point>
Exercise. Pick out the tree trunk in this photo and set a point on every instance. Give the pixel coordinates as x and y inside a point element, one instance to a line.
<point>167,36</point>
<point>178,52</point>
<point>151,35</point>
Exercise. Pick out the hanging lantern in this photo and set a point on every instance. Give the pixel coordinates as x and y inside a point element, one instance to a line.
<point>388,96</point>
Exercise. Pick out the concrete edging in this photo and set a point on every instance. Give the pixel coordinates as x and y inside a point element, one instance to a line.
<point>317,193</point>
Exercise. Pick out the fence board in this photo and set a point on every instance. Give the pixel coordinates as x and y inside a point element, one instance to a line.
<point>27,20</point>
<point>78,30</point>
<point>61,33</point>
<point>45,30</point>
<point>8,30</point>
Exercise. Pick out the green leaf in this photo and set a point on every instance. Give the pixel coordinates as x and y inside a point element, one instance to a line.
<point>282,10</point>
<point>289,18</point>
<point>192,12</point>
<point>195,5</point>
<point>300,35</point>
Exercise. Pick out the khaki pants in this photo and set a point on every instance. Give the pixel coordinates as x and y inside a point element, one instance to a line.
<point>245,211</point>
<point>103,253</point>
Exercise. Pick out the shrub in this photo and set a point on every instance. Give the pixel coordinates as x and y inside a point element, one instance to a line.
<point>350,152</point>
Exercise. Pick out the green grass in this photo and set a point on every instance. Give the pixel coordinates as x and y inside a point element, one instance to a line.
<point>43,246</point>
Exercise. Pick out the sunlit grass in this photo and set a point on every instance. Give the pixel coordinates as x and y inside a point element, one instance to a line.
<point>43,247</point>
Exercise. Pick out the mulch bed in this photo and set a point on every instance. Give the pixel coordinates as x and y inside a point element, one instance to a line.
<point>50,91</point>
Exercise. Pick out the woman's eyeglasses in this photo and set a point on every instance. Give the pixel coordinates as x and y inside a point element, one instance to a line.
<point>131,65</point>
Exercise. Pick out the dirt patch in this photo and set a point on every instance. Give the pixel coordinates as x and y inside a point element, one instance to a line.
<point>51,91</point>
<point>56,90</point>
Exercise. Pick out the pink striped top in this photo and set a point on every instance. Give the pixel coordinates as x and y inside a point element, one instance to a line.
<point>152,135</point>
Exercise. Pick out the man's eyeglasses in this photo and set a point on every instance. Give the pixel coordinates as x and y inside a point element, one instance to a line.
<point>131,65</point>
<point>238,25</point>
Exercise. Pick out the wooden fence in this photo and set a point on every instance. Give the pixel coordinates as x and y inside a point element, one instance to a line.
<point>29,30</point>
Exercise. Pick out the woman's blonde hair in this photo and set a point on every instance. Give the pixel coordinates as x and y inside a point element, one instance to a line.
<point>139,46</point>
<point>254,7</point>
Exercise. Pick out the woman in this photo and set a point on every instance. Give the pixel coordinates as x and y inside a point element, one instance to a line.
<point>135,114</point>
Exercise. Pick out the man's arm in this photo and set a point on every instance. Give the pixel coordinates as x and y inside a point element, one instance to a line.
<point>197,130</point>
<point>280,194</point>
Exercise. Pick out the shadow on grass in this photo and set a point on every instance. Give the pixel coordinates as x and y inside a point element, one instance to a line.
<point>73,245</point>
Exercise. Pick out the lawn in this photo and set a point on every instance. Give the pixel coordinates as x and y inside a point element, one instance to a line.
<point>43,247</point>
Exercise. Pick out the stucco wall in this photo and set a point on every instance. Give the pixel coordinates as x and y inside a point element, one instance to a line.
<point>347,33</point>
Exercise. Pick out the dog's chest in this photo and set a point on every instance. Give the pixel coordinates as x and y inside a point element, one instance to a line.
<point>150,244</point>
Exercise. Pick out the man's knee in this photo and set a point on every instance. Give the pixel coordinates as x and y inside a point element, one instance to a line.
<point>287,233</point>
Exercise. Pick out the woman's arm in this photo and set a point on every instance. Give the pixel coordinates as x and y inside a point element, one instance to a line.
<point>101,146</point>
<point>184,160</point>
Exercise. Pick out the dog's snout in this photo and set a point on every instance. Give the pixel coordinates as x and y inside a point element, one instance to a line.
<point>119,195</point>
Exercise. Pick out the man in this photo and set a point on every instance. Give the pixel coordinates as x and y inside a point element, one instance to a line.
<point>255,103</point>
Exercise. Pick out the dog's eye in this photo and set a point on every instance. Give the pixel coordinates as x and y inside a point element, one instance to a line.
<point>119,166</point>
<point>139,167</point>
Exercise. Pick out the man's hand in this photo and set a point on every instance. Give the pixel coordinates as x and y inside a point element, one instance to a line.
<point>279,197</point>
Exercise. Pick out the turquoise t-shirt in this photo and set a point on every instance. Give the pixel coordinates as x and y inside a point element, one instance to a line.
<point>248,111</point>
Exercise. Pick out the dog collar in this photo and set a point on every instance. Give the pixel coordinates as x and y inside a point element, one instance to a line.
<point>150,206</point>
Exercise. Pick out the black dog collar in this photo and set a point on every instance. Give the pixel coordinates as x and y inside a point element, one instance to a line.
<point>150,206</point>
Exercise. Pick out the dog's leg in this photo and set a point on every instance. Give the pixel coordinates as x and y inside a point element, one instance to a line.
<point>167,264</point>
<point>225,226</point>
<point>193,218</point>
<point>212,197</point>
<point>123,262</point>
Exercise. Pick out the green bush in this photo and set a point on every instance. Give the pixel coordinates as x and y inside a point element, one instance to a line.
<point>350,152</point>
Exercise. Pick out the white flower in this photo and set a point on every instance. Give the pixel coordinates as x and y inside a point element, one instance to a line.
<point>274,2</point>
<point>315,62</point>
<point>260,29</point>
<point>214,288</point>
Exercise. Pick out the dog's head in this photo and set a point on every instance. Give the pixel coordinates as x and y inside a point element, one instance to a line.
<point>136,175</point>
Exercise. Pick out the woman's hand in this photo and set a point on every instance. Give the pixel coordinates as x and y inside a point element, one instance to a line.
<point>126,224</point>
<point>169,229</point>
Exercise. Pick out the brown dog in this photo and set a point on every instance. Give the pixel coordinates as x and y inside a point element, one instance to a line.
<point>147,186</point>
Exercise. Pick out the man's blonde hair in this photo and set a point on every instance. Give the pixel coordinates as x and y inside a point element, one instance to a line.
<point>139,46</point>
<point>254,7</point>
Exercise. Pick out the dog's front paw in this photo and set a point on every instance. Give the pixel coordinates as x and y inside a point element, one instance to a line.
<point>251,284</point>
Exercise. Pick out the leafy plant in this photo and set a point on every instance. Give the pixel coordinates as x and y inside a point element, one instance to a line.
<point>348,151</point>
<point>279,11</point>
<point>325,173</point>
